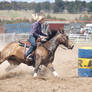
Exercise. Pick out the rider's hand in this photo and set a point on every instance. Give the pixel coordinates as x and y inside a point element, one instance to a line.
<point>43,37</point>
<point>39,39</point>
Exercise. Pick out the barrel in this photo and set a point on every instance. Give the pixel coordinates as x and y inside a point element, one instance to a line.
<point>85,62</point>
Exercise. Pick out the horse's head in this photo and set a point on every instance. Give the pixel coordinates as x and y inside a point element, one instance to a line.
<point>63,39</point>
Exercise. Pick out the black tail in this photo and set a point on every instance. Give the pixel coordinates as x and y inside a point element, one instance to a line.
<point>0,54</point>
<point>0,58</point>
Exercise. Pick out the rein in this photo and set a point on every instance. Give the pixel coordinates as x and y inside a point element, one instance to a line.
<point>25,49</point>
<point>63,48</point>
<point>50,52</point>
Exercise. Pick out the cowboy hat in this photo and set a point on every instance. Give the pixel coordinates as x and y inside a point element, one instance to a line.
<point>40,18</point>
<point>37,18</point>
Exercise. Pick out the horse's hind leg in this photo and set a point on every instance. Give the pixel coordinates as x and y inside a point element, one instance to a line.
<point>12,65</point>
<point>2,60</point>
<point>51,68</point>
<point>13,62</point>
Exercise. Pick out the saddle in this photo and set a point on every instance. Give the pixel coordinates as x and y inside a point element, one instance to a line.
<point>27,44</point>
<point>24,43</point>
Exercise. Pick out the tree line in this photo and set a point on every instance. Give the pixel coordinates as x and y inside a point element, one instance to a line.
<point>76,6</point>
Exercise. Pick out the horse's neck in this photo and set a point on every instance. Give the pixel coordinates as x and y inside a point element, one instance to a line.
<point>52,44</point>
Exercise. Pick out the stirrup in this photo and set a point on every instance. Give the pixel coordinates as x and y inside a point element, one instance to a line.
<point>29,57</point>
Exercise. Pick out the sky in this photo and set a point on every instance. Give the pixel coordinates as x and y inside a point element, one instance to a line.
<point>41,0</point>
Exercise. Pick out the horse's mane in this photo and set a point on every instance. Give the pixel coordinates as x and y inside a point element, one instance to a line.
<point>51,34</point>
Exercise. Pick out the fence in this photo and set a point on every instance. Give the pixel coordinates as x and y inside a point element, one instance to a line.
<point>80,38</point>
<point>9,37</point>
<point>18,28</point>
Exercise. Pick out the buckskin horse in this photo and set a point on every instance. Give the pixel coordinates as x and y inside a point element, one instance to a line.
<point>43,55</point>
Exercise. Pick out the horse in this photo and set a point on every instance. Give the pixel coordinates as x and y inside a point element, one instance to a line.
<point>43,55</point>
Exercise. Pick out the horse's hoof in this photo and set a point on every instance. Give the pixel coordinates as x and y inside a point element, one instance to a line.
<point>55,74</point>
<point>58,78</point>
<point>35,75</point>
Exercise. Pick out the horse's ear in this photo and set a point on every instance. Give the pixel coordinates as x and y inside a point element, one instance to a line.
<point>62,31</point>
<point>58,32</point>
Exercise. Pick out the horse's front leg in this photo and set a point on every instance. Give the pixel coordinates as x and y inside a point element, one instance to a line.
<point>51,68</point>
<point>37,64</point>
<point>36,70</point>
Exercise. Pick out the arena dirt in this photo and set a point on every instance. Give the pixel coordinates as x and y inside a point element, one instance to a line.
<point>66,64</point>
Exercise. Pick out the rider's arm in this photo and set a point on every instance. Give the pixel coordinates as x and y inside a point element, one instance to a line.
<point>35,29</point>
<point>43,34</point>
<point>37,35</point>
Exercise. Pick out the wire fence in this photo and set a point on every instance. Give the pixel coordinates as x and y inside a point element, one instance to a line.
<point>81,38</point>
<point>9,37</point>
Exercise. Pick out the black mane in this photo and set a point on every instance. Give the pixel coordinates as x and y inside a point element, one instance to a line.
<point>51,34</point>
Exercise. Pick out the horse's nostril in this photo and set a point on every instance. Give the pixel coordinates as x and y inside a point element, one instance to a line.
<point>72,46</point>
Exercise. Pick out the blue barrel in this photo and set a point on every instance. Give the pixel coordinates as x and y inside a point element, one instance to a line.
<point>85,62</point>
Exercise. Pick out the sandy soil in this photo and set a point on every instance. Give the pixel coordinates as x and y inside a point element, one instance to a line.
<point>20,79</point>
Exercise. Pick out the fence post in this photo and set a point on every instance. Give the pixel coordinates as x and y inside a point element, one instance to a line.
<point>14,36</point>
<point>4,35</point>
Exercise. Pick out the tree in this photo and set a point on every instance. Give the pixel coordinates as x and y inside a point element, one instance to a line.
<point>55,8</point>
<point>76,6</point>
<point>5,5</point>
<point>45,6</point>
<point>89,6</point>
<point>59,5</point>
<point>38,8</point>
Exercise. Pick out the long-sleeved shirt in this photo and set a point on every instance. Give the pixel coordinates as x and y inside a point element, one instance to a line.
<point>36,30</point>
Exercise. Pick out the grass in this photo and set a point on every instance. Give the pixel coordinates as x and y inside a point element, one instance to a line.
<point>5,14</point>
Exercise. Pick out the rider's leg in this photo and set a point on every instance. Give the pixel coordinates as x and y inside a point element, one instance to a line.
<point>33,45</point>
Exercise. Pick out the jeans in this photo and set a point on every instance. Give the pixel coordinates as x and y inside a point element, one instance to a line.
<point>33,45</point>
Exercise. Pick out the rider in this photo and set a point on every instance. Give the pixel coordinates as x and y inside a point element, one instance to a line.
<point>34,35</point>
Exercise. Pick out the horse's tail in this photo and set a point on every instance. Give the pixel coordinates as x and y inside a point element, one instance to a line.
<point>0,56</point>
<point>1,60</point>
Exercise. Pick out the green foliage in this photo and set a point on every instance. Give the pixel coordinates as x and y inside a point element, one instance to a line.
<point>49,17</point>
<point>89,7</point>
<point>86,18</point>
<point>76,6</point>
<point>45,6</point>
<point>59,5</point>
<point>55,8</point>
<point>37,8</point>
<point>14,21</point>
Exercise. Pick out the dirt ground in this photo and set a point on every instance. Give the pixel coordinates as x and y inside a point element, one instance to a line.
<point>20,79</point>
